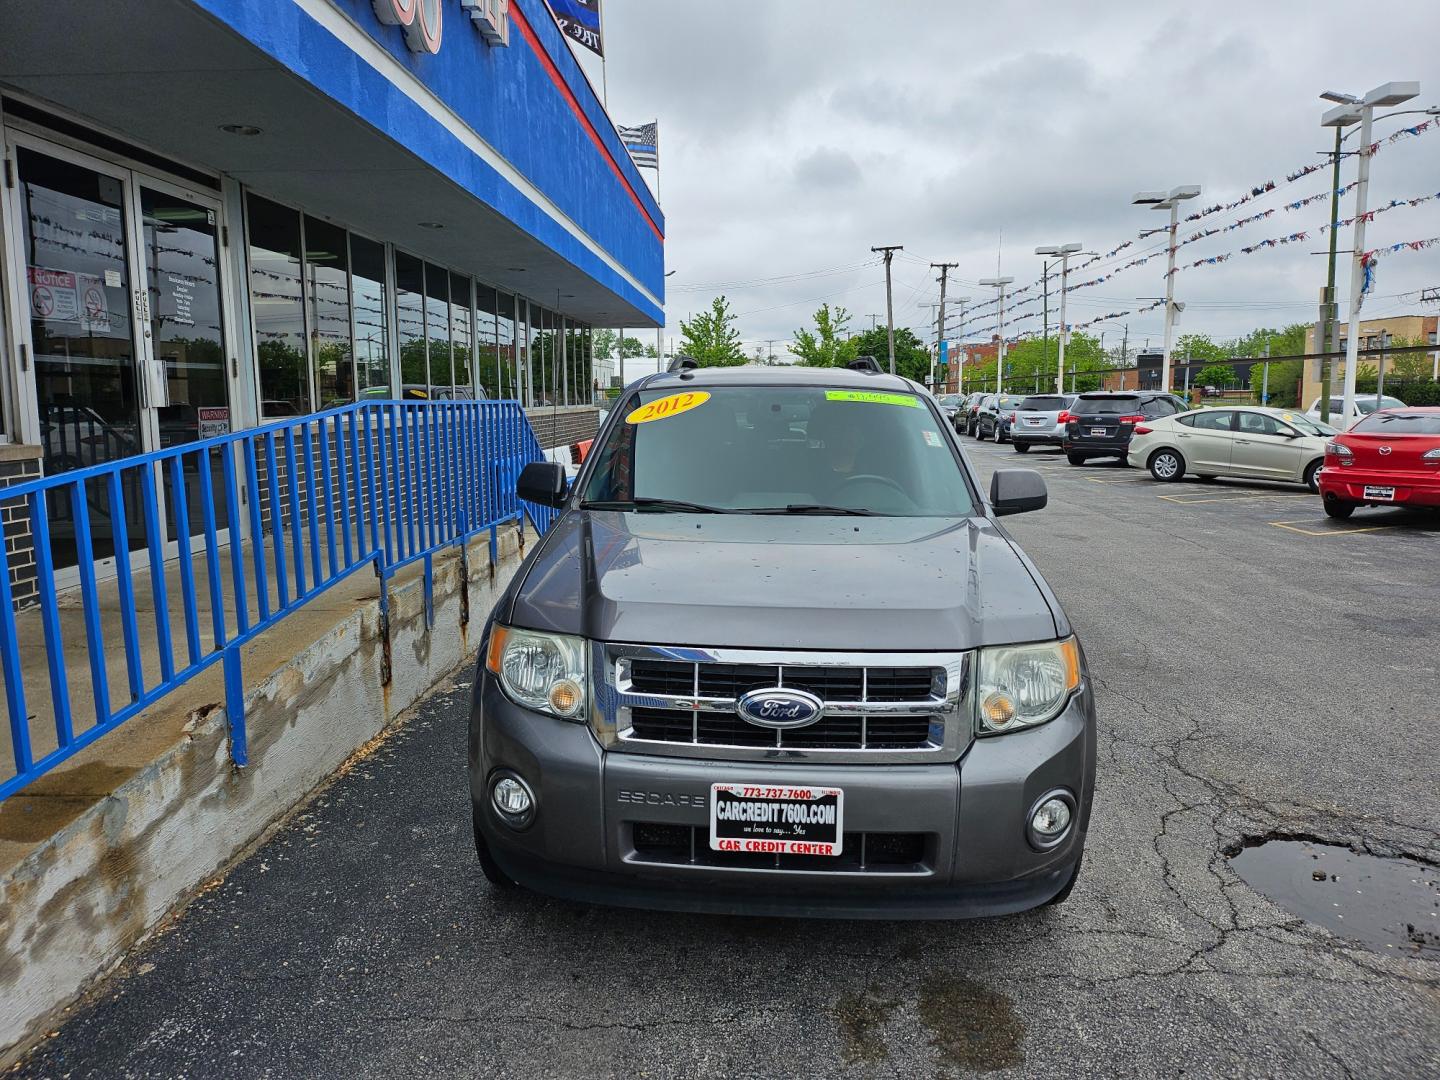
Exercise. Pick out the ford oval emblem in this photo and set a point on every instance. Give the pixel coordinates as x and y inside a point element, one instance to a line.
<point>776,707</point>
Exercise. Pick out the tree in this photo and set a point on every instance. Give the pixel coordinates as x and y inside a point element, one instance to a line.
<point>1194,347</point>
<point>826,346</point>
<point>710,338</point>
<point>912,358</point>
<point>1214,375</point>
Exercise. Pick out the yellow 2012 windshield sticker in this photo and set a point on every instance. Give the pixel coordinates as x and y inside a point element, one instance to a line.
<point>873,398</point>
<point>666,407</point>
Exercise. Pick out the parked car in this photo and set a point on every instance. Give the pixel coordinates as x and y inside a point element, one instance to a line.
<point>1364,405</point>
<point>1244,441</point>
<point>747,674</point>
<point>1390,457</point>
<point>1038,421</point>
<point>965,418</point>
<point>992,419</point>
<point>1101,422</point>
<point>949,406</point>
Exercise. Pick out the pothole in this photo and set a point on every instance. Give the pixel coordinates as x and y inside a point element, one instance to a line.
<point>1386,904</point>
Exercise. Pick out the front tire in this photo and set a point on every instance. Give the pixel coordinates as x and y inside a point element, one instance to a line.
<point>1167,465</point>
<point>1312,479</point>
<point>1076,459</point>
<point>1338,508</point>
<point>998,433</point>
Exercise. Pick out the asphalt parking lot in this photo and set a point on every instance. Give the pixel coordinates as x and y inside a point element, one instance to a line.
<point>1261,672</point>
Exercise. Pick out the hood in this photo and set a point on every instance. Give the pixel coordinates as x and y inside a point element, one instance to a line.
<point>761,581</point>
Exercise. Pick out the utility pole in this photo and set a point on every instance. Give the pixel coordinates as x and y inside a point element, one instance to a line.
<point>872,319</point>
<point>944,269</point>
<point>1064,251</point>
<point>889,252</point>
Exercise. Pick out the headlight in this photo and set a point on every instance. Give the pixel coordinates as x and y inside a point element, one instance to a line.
<point>546,672</point>
<point>1020,686</point>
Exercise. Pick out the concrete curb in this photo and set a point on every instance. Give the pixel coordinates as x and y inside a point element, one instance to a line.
<point>71,909</point>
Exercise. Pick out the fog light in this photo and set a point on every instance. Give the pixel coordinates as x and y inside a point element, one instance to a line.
<point>1050,819</point>
<point>512,799</point>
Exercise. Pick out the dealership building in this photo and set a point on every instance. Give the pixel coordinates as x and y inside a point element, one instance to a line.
<point>216,213</point>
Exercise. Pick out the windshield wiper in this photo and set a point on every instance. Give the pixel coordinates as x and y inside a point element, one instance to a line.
<point>643,502</point>
<point>808,508</point>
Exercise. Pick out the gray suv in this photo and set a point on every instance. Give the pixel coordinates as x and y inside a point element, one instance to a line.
<point>777,655</point>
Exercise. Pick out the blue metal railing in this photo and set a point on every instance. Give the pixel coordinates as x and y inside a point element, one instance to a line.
<point>305,502</point>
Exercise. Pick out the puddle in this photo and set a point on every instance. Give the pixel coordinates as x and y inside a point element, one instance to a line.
<point>1387,904</point>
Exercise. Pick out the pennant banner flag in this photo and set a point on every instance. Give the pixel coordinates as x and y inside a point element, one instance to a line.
<point>1368,259</point>
<point>579,20</point>
<point>643,142</point>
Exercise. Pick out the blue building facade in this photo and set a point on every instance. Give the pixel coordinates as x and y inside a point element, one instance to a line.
<point>218,212</point>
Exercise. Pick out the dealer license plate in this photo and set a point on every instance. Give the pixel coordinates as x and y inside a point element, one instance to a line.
<point>1097,431</point>
<point>1386,493</point>
<point>767,820</point>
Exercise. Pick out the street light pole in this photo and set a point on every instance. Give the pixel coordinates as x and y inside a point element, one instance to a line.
<point>889,251</point>
<point>1171,201</point>
<point>944,269</point>
<point>1392,93</point>
<point>1064,251</point>
<point>999,283</point>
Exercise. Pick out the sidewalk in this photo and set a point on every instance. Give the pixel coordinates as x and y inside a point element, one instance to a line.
<point>97,851</point>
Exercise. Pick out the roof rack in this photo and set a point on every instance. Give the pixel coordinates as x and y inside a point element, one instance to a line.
<point>683,363</point>
<point>864,363</point>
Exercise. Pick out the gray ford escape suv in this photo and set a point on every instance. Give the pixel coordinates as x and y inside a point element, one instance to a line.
<point>777,655</point>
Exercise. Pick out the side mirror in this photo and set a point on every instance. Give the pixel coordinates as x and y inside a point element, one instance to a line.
<point>1017,491</point>
<point>542,482</point>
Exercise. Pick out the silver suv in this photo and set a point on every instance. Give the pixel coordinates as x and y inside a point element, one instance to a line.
<point>1038,421</point>
<point>777,655</point>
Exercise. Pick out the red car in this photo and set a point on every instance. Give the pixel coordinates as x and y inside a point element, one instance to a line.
<point>1388,458</point>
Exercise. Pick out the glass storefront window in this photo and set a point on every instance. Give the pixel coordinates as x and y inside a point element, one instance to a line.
<point>461,353</point>
<point>505,346</point>
<point>437,329</point>
<point>327,281</point>
<point>371,314</point>
<point>277,302</point>
<point>487,344</point>
<point>410,324</point>
<point>522,352</point>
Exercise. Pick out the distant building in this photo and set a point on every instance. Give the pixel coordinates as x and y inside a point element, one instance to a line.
<point>1374,334</point>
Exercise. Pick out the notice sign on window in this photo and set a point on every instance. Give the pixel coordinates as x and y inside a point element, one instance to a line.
<point>54,295</point>
<point>214,420</point>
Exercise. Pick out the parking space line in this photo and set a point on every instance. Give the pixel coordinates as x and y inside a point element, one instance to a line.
<point>1190,498</point>
<point>1116,479</point>
<point>1293,526</point>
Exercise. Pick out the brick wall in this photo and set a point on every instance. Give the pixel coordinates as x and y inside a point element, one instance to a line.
<point>565,425</point>
<point>17,465</point>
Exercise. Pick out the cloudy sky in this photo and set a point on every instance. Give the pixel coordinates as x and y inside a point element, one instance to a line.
<point>795,134</point>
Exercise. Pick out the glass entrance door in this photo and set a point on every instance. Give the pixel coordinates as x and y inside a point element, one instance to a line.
<point>74,222</point>
<point>127,336</point>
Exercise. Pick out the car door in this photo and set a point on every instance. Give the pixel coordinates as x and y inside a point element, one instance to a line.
<point>1263,448</point>
<point>1205,440</point>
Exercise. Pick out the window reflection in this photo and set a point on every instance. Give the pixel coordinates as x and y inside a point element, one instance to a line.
<point>461,356</point>
<point>437,328</point>
<point>276,301</point>
<point>328,287</point>
<point>410,324</point>
<point>371,314</point>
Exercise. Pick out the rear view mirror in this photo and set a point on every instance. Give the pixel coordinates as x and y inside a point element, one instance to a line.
<point>542,482</point>
<point>1017,491</point>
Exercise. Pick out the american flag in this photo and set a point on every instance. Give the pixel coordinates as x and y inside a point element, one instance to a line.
<point>643,142</point>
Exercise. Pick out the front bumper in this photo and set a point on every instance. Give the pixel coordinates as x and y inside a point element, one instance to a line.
<point>1349,483</point>
<point>581,843</point>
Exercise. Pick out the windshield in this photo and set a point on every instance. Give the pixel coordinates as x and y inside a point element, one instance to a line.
<point>1392,423</point>
<point>1306,426</point>
<point>739,449</point>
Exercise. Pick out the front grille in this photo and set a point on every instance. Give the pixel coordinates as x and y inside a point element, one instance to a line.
<point>875,706</point>
<point>689,845</point>
<point>830,732</point>
<point>676,677</point>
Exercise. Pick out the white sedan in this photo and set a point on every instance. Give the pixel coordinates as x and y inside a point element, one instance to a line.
<point>1242,441</point>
